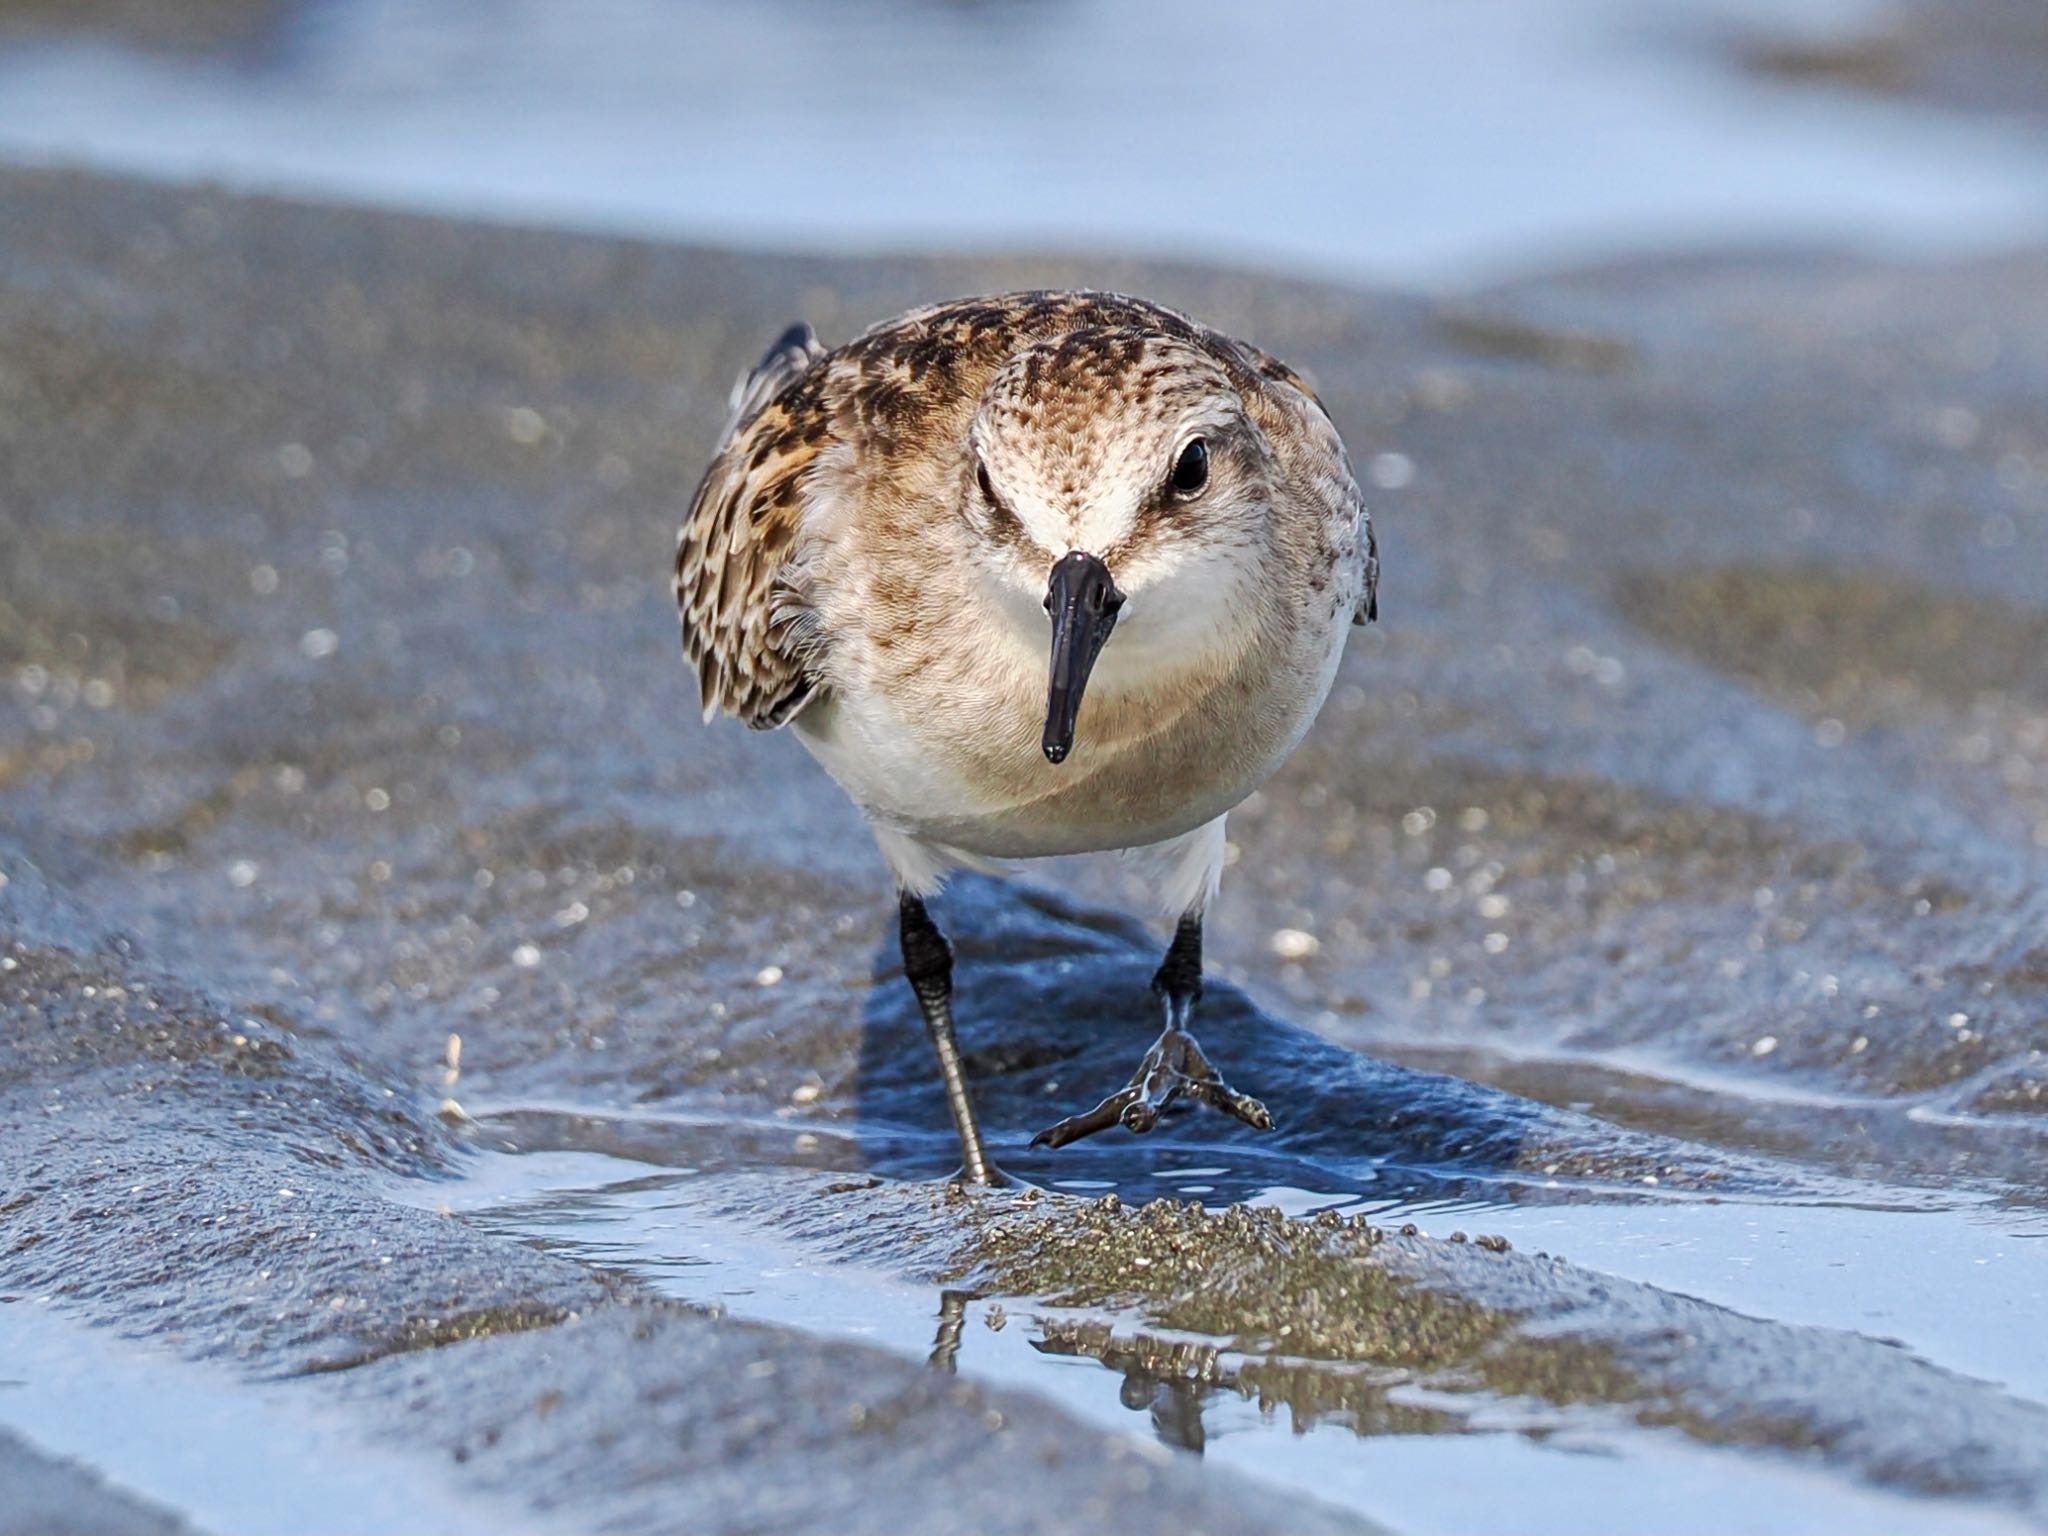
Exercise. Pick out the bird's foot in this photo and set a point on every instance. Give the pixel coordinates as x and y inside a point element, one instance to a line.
<point>1174,1067</point>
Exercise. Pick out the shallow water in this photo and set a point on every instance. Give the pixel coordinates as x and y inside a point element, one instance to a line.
<point>1425,146</point>
<point>1437,1456</point>
<point>233,1459</point>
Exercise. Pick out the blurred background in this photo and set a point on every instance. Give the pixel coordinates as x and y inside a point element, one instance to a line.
<point>1665,884</point>
<point>1432,146</point>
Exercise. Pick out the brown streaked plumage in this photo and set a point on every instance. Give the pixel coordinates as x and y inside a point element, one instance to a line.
<point>740,533</point>
<point>896,534</point>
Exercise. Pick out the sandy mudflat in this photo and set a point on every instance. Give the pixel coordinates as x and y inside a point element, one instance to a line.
<point>1690,807</point>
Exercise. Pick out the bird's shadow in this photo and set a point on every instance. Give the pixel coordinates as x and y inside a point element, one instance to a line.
<point>1054,1008</point>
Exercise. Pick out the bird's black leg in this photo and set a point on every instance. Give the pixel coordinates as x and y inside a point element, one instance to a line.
<point>1174,1066</point>
<point>928,966</point>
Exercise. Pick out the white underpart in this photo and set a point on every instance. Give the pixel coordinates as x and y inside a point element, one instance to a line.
<point>921,867</point>
<point>1184,872</point>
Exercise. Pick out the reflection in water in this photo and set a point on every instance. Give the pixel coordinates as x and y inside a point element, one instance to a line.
<point>1367,1390</point>
<point>952,1317</point>
<point>1174,1380</point>
<point>666,1228</point>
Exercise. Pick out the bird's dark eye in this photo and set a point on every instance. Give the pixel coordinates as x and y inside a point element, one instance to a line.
<point>1191,469</point>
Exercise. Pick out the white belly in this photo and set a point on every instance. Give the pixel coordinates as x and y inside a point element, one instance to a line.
<point>959,768</point>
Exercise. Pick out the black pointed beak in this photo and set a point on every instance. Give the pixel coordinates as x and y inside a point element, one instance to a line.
<point>1083,602</point>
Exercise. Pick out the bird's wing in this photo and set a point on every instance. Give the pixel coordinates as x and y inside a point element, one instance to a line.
<point>1369,600</point>
<point>795,350</point>
<point>742,629</point>
<point>1319,458</point>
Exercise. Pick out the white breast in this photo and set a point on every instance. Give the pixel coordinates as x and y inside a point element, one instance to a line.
<point>954,764</point>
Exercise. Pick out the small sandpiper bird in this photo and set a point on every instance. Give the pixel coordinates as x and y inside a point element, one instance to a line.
<point>915,550</point>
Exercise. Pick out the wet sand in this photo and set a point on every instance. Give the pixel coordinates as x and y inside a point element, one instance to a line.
<point>1689,809</point>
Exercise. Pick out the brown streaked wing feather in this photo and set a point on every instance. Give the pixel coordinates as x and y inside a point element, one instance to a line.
<point>1333,468</point>
<point>738,616</point>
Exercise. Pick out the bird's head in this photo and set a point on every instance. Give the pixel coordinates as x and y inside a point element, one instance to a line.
<point>1117,484</point>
